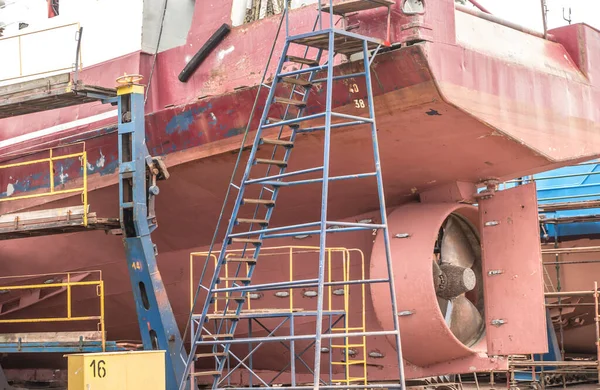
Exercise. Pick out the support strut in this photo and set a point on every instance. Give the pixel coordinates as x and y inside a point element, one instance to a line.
<point>138,173</point>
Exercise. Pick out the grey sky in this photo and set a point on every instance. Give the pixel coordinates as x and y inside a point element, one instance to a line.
<point>528,12</point>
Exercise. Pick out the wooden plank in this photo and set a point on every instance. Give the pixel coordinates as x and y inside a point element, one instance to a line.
<point>63,337</point>
<point>346,7</point>
<point>41,214</point>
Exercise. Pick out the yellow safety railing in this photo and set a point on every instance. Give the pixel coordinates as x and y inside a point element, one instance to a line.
<point>20,50</point>
<point>348,346</point>
<point>50,160</point>
<point>69,285</point>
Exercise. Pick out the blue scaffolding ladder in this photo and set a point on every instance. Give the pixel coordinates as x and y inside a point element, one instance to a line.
<point>284,118</point>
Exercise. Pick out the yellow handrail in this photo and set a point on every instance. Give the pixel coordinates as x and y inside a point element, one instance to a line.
<point>290,251</point>
<point>50,160</point>
<point>68,285</point>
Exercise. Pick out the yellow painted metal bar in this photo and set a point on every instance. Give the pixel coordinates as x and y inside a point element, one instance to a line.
<point>102,325</point>
<point>291,290</point>
<point>84,194</point>
<point>51,162</point>
<point>42,160</point>
<point>69,191</point>
<point>329,279</point>
<point>191,281</point>
<point>48,319</point>
<point>68,295</point>
<point>50,285</point>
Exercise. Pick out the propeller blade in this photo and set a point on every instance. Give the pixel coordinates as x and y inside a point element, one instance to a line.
<point>457,249</point>
<point>466,322</point>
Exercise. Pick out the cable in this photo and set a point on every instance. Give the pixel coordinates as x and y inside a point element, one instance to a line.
<point>235,168</point>
<point>160,31</point>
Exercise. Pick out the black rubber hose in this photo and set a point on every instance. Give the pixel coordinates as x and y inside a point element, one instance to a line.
<point>204,51</point>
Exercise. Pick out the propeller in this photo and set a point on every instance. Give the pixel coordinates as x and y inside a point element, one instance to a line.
<point>458,280</point>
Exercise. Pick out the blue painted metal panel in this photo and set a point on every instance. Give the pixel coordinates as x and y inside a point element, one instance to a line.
<point>58,347</point>
<point>575,183</point>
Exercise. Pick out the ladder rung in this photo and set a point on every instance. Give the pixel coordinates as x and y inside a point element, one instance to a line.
<point>235,279</point>
<point>304,61</point>
<point>249,260</point>
<point>210,354</point>
<point>222,317</point>
<point>266,202</point>
<point>225,298</point>
<point>297,81</point>
<point>279,163</point>
<point>278,142</point>
<point>206,373</point>
<point>263,222</point>
<point>254,241</point>
<point>275,120</point>
<point>217,336</point>
<point>291,102</point>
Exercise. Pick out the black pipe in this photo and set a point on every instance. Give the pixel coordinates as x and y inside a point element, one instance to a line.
<point>204,51</point>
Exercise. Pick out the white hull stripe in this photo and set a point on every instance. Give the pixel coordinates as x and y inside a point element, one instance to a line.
<point>58,128</point>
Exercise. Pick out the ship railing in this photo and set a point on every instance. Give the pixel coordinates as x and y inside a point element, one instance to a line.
<point>53,189</point>
<point>338,258</point>
<point>34,53</point>
<point>562,369</point>
<point>15,297</point>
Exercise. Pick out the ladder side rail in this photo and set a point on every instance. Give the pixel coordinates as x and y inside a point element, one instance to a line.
<point>230,225</point>
<point>288,151</point>
<point>382,211</point>
<point>269,212</point>
<point>288,106</point>
<point>324,194</point>
<point>214,239</point>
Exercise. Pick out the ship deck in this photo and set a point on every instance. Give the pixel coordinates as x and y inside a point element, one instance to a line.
<point>48,93</point>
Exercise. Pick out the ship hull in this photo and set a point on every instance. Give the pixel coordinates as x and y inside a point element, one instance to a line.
<point>440,120</point>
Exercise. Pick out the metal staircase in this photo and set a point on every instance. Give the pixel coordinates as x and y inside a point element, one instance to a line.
<point>265,176</point>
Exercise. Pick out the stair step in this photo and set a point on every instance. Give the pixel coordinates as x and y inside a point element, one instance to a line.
<point>297,81</point>
<point>304,61</point>
<point>217,336</point>
<point>278,142</point>
<point>276,120</point>
<point>210,354</point>
<point>222,317</point>
<point>266,202</point>
<point>207,373</point>
<point>248,260</point>
<point>291,102</point>
<point>344,44</point>
<point>279,163</point>
<point>262,222</point>
<point>235,279</point>
<point>348,6</point>
<point>254,241</point>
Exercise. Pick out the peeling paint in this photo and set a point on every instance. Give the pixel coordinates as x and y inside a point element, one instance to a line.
<point>222,53</point>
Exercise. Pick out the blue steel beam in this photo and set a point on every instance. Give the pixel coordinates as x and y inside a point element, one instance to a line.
<point>157,324</point>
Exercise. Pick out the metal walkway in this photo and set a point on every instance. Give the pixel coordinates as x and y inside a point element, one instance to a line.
<point>48,94</point>
<point>264,177</point>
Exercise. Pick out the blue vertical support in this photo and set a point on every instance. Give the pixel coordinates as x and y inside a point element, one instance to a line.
<point>137,189</point>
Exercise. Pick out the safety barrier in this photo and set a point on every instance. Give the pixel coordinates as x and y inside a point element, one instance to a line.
<point>349,347</point>
<point>58,283</point>
<point>51,160</point>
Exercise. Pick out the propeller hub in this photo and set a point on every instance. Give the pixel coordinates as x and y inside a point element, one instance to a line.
<point>454,280</point>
